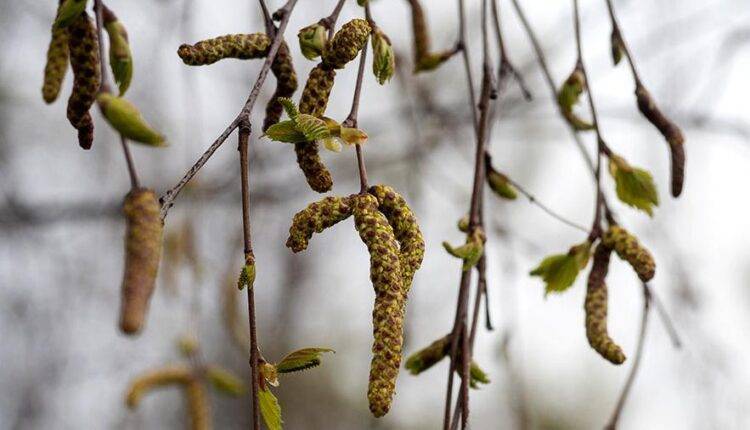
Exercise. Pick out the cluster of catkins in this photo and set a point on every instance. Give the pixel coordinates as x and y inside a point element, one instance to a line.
<point>628,248</point>
<point>389,229</point>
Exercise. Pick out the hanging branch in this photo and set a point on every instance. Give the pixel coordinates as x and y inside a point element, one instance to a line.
<point>100,9</point>
<point>459,333</point>
<point>168,198</point>
<point>351,119</point>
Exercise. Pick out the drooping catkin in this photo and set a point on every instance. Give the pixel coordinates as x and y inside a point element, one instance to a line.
<point>385,274</point>
<point>57,64</point>
<point>596,308</point>
<point>629,249</point>
<point>286,84</point>
<point>346,43</point>
<point>199,407</point>
<point>83,46</point>
<point>671,133</point>
<point>171,375</point>
<point>405,228</point>
<point>239,46</point>
<point>143,239</point>
<point>315,218</point>
<point>314,101</point>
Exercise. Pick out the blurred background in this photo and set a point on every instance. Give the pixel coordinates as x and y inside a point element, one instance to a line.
<point>64,364</point>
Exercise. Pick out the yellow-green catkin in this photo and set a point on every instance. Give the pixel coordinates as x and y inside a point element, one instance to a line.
<point>388,317</point>
<point>315,218</point>
<point>405,227</point>
<point>239,46</point>
<point>57,64</point>
<point>143,240</point>
<point>314,101</point>
<point>629,249</point>
<point>199,408</point>
<point>596,308</point>
<point>286,84</point>
<point>171,375</point>
<point>346,43</point>
<point>83,46</point>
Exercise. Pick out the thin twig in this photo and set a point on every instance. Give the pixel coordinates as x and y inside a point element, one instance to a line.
<point>330,21</point>
<point>533,200</point>
<point>612,425</point>
<point>506,67</point>
<point>167,199</point>
<point>267,19</point>
<point>99,9</point>
<point>665,319</point>
<point>618,33</point>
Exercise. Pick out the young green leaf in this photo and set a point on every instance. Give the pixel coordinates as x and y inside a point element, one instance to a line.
<point>124,117</point>
<point>500,185</point>
<point>560,271</point>
<point>311,127</point>
<point>635,187</point>
<point>270,409</point>
<point>477,376</point>
<point>289,107</point>
<point>285,131</point>
<point>471,251</point>
<point>428,356</point>
<point>225,381</point>
<point>568,96</point>
<point>302,359</point>
<point>120,57</point>
<point>247,277</point>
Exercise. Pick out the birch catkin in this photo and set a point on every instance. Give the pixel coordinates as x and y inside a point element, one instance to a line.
<point>346,43</point>
<point>286,84</point>
<point>57,64</point>
<point>596,308</point>
<point>629,249</point>
<point>239,46</point>
<point>405,228</point>
<point>143,240</point>
<point>385,274</point>
<point>199,407</point>
<point>314,101</point>
<point>315,218</point>
<point>172,375</point>
<point>83,45</point>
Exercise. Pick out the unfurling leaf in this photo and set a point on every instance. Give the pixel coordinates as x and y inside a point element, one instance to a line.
<point>429,356</point>
<point>225,381</point>
<point>500,185</point>
<point>269,373</point>
<point>618,48</point>
<point>124,117</point>
<point>384,61</point>
<point>247,276</point>
<point>289,107</point>
<point>477,376</point>
<point>311,127</point>
<point>270,409</point>
<point>333,144</point>
<point>635,187</point>
<point>568,96</point>
<point>301,359</point>
<point>120,58</point>
<point>560,271</point>
<point>471,251</point>
<point>353,136</point>
<point>285,131</point>
<point>312,41</point>
<point>68,12</point>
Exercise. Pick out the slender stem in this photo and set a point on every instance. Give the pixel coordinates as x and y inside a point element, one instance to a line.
<point>267,19</point>
<point>351,119</point>
<point>100,9</point>
<point>243,137</point>
<point>665,318</point>
<point>618,33</point>
<point>533,200</point>
<point>612,425</point>
<point>330,21</point>
<point>506,67</point>
<point>167,199</point>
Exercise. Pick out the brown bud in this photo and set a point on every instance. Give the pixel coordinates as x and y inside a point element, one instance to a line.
<point>143,240</point>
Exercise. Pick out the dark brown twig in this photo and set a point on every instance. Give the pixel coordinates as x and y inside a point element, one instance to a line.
<point>167,199</point>
<point>612,424</point>
<point>329,22</point>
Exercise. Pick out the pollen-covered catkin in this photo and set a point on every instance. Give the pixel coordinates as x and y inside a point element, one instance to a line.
<point>629,249</point>
<point>405,228</point>
<point>286,84</point>
<point>143,239</point>
<point>385,274</point>
<point>57,64</point>
<point>596,308</point>
<point>346,43</point>
<point>177,374</point>
<point>671,133</point>
<point>83,46</point>
<point>239,46</point>
<point>314,101</point>
<point>315,218</point>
